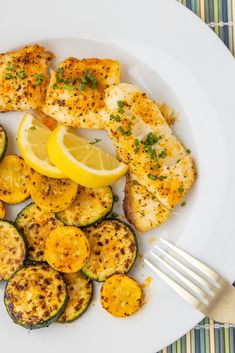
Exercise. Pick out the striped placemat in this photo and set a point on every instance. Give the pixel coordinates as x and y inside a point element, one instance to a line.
<point>219,15</point>
<point>209,336</point>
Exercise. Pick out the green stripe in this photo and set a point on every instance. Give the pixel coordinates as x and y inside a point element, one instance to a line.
<point>202,340</point>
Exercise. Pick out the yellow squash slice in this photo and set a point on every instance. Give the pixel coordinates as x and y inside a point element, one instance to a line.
<point>121,295</point>
<point>67,249</point>
<point>52,194</point>
<point>14,179</point>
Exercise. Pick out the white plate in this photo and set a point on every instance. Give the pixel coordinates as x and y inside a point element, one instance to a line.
<point>169,52</point>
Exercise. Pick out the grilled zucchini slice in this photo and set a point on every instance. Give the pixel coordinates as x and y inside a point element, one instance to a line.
<point>67,249</point>
<point>3,142</point>
<point>53,195</point>
<point>121,295</point>
<point>2,210</point>
<point>12,250</point>
<point>35,296</point>
<point>36,224</point>
<point>113,249</point>
<point>89,207</point>
<point>14,179</point>
<point>80,289</point>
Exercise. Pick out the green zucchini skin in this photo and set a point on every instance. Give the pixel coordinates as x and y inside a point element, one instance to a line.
<point>83,211</point>
<point>13,249</point>
<point>82,294</point>
<point>3,142</point>
<point>124,246</point>
<point>36,224</point>
<point>10,304</point>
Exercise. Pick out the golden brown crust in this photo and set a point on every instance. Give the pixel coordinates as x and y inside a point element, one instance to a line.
<point>23,78</point>
<point>68,103</point>
<point>141,208</point>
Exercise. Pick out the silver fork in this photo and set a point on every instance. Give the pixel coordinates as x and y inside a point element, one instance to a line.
<point>199,285</point>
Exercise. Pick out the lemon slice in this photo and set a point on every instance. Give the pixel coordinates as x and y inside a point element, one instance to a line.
<point>81,161</point>
<point>32,139</point>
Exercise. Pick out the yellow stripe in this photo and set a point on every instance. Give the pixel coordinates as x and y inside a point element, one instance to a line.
<point>212,337</point>
<point>188,342</point>
<point>164,350</point>
<point>233,19</point>
<point>202,9</point>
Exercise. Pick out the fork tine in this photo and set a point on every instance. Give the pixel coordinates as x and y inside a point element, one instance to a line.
<point>181,291</point>
<point>185,280</point>
<point>191,273</point>
<point>199,265</point>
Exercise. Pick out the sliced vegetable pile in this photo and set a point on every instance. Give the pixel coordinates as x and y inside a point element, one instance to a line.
<point>63,240</point>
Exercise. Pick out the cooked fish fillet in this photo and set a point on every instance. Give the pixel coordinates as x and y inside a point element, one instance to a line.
<point>23,78</point>
<point>171,173</point>
<point>141,208</point>
<point>74,102</point>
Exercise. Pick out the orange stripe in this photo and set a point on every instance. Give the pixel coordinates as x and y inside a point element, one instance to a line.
<point>212,337</point>
<point>202,9</point>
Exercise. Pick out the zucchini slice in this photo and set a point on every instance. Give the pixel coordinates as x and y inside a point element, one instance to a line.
<point>2,210</point>
<point>12,250</point>
<point>121,295</point>
<point>53,195</point>
<point>113,249</point>
<point>14,179</point>
<point>36,224</point>
<point>3,142</point>
<point>67,249</point>
<point>35,296</point>
<point>80,289</point>
<point>89,207</point>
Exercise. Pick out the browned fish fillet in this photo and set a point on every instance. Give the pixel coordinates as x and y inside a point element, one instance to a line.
<point>23,78</point>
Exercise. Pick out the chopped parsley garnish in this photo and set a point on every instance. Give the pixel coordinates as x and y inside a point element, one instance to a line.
<point>21,74</point>
<point>33,128</point>
<point>162,154</point>
<point>55,86</point>
<point>151,151</point>
<point>136,145</point>
<point>151,139</point>
<point>96,141</point>
<point>178,160</point>
<point>181,189</point>
<point>115,198</point>
<point>10,67</point>
<point>61,71</point>
<point>38,82</point>
<point>134,182</point>
<point>92,79</point>
<point>59,79</point>
<point>120,107</point>
<point>125,132</point>
<point>39,76</point>
<point>82,86</point>
<point>183,204</point>
<point>152,177</point>
<point>188,150</point>
<point>83,79</point>
<point>162,177</point>
<point>68,87</point>
<point>115,118</point>
<point>133,117</point>
<point>114,215</point>
<point>157,166</point>
<point>8,76</point>
<point>153,197</point>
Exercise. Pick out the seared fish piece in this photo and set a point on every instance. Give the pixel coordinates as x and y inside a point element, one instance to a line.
<point>141,208</point>
<point>75,93</point>
<point>142,137</point>
<point>23,78</point>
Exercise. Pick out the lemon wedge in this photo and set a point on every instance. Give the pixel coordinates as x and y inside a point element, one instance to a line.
<point>32,139</point>
<point>81,161</point>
